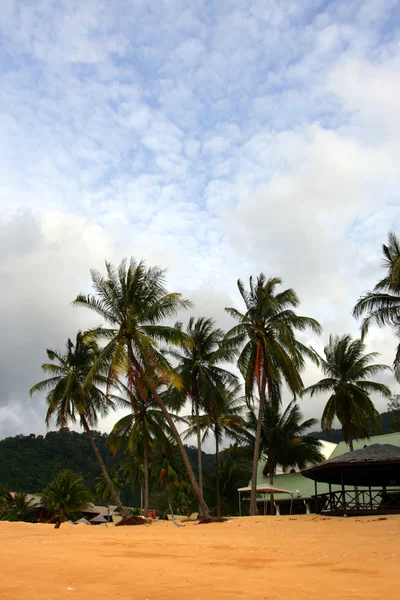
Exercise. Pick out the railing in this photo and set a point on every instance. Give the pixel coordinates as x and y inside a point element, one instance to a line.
<point>358,501</point>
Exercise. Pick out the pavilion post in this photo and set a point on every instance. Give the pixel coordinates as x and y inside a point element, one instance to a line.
<point>240,507</point>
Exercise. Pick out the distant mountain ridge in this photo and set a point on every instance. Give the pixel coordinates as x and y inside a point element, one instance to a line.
<point>335,435</point>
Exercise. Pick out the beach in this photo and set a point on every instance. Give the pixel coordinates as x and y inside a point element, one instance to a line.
<point>266,558</point>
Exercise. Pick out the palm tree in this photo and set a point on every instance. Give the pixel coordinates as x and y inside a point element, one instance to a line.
<point>134,303</point>
<point>348,371</point>
<point>19,509</point>
<point>103,490</point>
<point>200,370</point>
<point>284,439</point>
<point>166,471</point>
<point>235,472</point>
<point>222,418</point>
<point>270,354</point>
<point>70,396</point>
<point>65,496</point>
<point>382,305</point>
<point>138,432</point>
<point>132,471</point>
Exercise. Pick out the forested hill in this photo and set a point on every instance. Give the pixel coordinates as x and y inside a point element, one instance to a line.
<point>29,462</point>
<point>335,435</point>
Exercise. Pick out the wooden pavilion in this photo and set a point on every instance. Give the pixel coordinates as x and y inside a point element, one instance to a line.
<point>366,481</point>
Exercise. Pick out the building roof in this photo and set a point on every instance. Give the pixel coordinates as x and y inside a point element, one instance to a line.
<point>267,488</point>
<point>82,521</point>
<point>100,510</point>
<point>34,499</point>
<point>98,519</point>
<point>377,464</point>
<point>373,453</point>
<point>386,438</point>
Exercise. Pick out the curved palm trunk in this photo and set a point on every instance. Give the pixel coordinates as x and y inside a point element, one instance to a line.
<point>257,441</point>
<point>103,467</point>
<point>195,400</point>
<point>199,454</point>
<point>146,477</point>
<point>271,498</point>
<point>175,522</point>
<point>217,472</point>
<point>175,432</point>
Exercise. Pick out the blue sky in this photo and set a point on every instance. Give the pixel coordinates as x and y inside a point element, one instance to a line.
<point>217,139</point>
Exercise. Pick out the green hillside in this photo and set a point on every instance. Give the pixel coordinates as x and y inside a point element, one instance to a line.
<point>29,462</point>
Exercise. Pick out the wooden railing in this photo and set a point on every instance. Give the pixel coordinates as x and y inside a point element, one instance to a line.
<point>356,501</point>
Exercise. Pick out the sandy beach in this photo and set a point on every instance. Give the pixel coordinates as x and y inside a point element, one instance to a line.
<point>261,557</point>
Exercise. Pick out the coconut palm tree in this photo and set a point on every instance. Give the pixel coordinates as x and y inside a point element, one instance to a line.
<point>270,352</point>
<point>382,305</point>
<point>235,472</point>
<point>134,303</point>
<point>284,439</point>
<point>201,372</point>
<point>65,496</point>
<point>69,396</point>
<point>132,472</point>
<point>223,417</point>
<point>348,372</point>
<point>138,432</point>
<point>166,471</point>
<point>20,508</point>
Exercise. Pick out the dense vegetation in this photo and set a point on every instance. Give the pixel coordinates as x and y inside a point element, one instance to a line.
<point>28,463</point>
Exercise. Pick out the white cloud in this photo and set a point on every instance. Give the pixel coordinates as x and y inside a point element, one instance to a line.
<point>214,139</point>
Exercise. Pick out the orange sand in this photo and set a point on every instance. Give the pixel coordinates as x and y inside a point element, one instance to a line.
<point>271,558</point>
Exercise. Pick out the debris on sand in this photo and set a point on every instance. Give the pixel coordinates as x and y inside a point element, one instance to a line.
<point>207,520</point>
<point>133,521</point>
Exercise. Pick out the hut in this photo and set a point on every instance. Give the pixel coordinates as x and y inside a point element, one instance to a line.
<point>368,480</point>
<point>82,521</point>
<point>99,520</point>
<point>92,510</point>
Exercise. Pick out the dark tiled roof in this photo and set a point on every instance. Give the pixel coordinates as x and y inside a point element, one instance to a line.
<point>373,453</point>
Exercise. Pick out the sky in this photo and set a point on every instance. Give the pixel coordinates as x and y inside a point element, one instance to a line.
<point>215,138</point>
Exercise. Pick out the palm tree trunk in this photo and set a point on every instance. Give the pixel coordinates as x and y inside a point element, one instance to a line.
<point>146,477</point>
<point>271,498</point>
<point>199,454</point>
<point>175,522</point>
<point>196,489</point>
<point>217,472</point>
<point>103,468</point>
<point>257,441</point>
